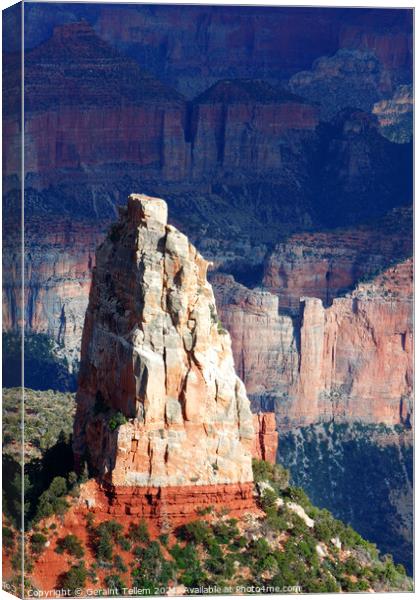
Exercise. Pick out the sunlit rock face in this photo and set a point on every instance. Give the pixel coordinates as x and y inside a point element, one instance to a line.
<point>395,115</point>
<point>156,359</point>
<point>350,361</point>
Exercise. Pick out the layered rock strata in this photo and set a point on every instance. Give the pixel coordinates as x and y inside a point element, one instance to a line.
<point>97,125</point>
<point>159,404</point>
<point>168,504</point>
<point>263,341</point>
<point>356,357</point>
<point>351,361</point>
<point>327,264</point>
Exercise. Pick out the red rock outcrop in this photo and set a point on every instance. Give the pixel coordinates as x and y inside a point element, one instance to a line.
<point>86,104</point>
<point>174,504</point>
<point>356,356</point>
<point>266,437</point>
<point>159,404</point>
<point>102,108</point>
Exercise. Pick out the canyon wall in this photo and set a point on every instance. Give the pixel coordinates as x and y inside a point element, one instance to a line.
<point>327,264</point>
<point>326,356</point>
<point>351,361</point>
<point>58,272</point>
<point>190,47</point>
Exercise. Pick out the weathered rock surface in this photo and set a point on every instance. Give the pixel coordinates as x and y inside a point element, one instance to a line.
<point>169,504</point>
<point>327,264</point>
<point>244,165</point>
<point>350,78</point>
<point>263,341</point>
<point>58,271</point>
<point>266,437</point>
<point>351,361</point>
<point>153,351</point>
<point>356,356</point>
<point>80,94</point>
<point>244,125</point>
<point>395,115</point>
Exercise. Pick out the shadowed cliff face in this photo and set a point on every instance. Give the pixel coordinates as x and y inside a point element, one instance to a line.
<point>159,403</point>
<point>190,47</point>
<point>95,122</point>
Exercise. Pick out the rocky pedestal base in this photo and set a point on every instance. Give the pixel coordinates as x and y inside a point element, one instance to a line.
<point>172,505</point>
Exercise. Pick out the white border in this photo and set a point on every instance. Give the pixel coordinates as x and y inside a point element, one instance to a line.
<point>389,4</point>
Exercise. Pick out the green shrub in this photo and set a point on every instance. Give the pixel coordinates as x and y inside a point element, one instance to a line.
<point>8,538</point>
<point>197,532</point>
<point>124,543</point>
<point>52,501</point>
<point>105,534</point>
<point>276,521</point>
<point>112,527</point>
<point>238,543</point>
<point>115,583</point>
<point>38,541</point>
<point>139,532</point>
<point>119,564</point>
<point>58,487</point>
<point>268,499</point>
<point>214,550</point>
<point>185,557</point>
<point>277,475</point>
<point>75,578</point>
<point>299,526</point>
<point>298,495</point>
<point>152,569</point>
<point>325,527</point>
<point>259,549</point>
<point>206,510</point>
<point>268,563</point>
<point>70,544</point>
<point>307,549</point>
<point>116,420</point>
